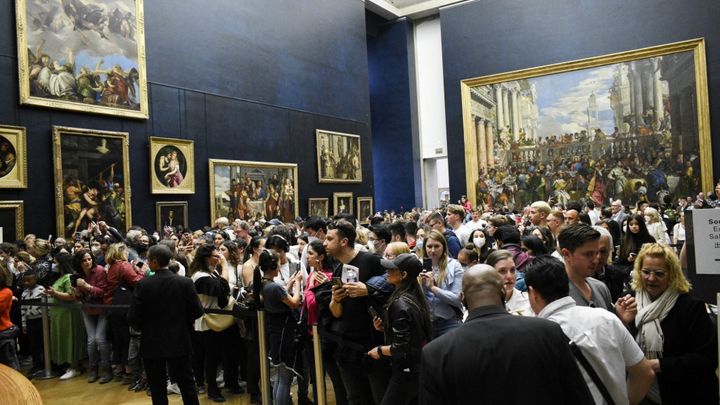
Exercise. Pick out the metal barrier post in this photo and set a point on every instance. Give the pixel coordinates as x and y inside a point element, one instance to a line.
<point>264,367</point>
<point>319,370</point>
<point>46,339</point>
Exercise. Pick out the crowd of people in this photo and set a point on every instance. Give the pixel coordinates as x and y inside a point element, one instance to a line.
<point>583,304</point>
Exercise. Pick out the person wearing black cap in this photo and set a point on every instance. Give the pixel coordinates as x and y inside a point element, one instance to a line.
<point>407,327</point>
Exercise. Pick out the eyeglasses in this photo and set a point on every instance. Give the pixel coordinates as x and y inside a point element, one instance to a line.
<point>656,273</point>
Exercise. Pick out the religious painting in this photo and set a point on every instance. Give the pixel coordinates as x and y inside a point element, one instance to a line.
<point>12,221</point>
<point>172,164</point>
<point>632,126</point>
<point>342,203</point>
<point>171,216</point>
<point>364,209</point>
<point>92,179</point>
<point>338,157</point>
<point>83,55</point>
<point>319,207</point>
<point>13,158</point>
<point>253,190</point>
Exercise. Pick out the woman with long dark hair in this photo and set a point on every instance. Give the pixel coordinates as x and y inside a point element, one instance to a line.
<point>281,323</point>
<point>482,243</point>
<point>91,289</point>
<point>214,292</point>
<point>407,327</point>
<point>636,235</point>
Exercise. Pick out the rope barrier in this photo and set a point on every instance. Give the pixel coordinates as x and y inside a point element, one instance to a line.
<point>238,313</point>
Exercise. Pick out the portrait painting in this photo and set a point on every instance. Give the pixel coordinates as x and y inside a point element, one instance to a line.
<point>364,209</point>
<point>338,157</point>
<point>318,207</point>
<point>172,166</point>
<point>342,203</point>
<point>253,191</point>
<point>83,55</point>
<point>12,221</point>
<point>171,216</point>
<point>93,179</point>
<point>631,126</point>
<point>13,158</point>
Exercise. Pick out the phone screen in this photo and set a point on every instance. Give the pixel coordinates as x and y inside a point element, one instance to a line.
<point>427,264</point>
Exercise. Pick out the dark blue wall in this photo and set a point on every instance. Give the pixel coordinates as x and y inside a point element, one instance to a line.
<point>494,36</point>
<point>391,66</point>
<point>246,80</point>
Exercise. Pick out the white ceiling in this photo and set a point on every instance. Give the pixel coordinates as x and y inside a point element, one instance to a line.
<point>392,9</point>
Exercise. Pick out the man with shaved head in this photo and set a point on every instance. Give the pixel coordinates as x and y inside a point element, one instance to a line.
<point>478,362</point>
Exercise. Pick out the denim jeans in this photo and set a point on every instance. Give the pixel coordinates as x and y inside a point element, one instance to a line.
<point>443,326</point>
<point>281,385</point>
<point>96,326</point>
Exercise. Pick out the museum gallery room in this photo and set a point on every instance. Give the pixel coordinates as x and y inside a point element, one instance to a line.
<point>359,201</point>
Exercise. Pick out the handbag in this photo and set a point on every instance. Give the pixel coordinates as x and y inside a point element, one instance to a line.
<point>220,322</point>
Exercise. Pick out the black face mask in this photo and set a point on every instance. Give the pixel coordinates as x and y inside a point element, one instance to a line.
<point>141,248</point>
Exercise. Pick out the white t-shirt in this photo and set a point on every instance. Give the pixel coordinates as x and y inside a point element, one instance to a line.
<point>463,234</point>
<point>518,304</point>
<point>284,273</point>
<point>603,339</point>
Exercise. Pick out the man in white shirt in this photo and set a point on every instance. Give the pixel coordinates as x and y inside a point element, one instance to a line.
<point>455,216</point>
<point>476,222</point>
<point>602,339</point>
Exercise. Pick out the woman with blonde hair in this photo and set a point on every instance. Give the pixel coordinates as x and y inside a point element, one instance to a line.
<point>655,226</point>
<point>441,284</point>
<point>394,249</point>
<point>674,331</point>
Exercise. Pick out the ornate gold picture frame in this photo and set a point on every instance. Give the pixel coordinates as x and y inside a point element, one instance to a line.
<point>172,166</point>
<point>253,190</point>
<point>319,207</point>
<point>88,60</point>
<point>632,125</point>
<point>364,209</point>
<point>12,221</point>
<point>13,157</point>
<point>342,203</point>
<point>92,179</point>
<point>338,157</point>
<point>173,214</point>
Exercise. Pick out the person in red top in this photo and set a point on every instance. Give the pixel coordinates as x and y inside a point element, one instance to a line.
<point>121,276</point>
<point>8,331</point>
<point>91,289</point>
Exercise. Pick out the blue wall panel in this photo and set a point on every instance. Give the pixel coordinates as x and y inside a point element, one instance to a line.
<point>390,106</point>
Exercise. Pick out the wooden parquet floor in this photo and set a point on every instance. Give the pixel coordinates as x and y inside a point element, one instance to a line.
<point>77,391</point>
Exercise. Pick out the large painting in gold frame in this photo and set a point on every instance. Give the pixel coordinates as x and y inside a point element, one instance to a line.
<point>83,56</point>
<point>172,166</point>
<point>338,157</point>
<point>253,190</point>
<point>92,179</point>
<point>632,125</point>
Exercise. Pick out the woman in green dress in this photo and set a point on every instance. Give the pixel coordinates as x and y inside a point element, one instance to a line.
<point>67,331</point>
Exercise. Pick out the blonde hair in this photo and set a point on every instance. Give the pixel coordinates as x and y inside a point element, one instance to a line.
<point>439,237</point>
<point>541,206</point>
<point>361,236</point>
<point>398,248</point>
<point>116,252</point>
<point>653,214</point>
<point>676,278</point>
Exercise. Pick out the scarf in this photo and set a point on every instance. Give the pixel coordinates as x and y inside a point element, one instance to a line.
<point>650,313</point>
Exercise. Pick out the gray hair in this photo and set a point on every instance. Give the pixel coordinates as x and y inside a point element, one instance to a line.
<point>604,233</point>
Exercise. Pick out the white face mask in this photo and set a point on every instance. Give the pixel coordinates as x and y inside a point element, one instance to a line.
<point>479,242</point>
<point>312,239</point>
<point>371,247</point>
<point>419,244</point>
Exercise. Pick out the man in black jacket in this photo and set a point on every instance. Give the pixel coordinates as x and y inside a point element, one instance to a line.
<point>164,307</point>
<point>484,360</point>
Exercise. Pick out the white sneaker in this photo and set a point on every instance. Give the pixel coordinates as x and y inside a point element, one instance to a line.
<point>173,389</point>
<point>70,373</point>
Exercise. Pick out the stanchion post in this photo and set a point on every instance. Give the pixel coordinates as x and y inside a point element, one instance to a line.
<point>264,366</point>
<point>46,338</point>
<point>319,370</point>
<point>717,309</point>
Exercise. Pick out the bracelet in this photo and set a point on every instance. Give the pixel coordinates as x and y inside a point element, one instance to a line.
<point>380,353</point>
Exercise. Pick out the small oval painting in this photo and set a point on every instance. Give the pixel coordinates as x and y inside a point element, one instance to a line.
<point>170,166</point>
<point>8,156</point>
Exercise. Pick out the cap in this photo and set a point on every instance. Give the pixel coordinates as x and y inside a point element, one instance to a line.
<point>406,262</point>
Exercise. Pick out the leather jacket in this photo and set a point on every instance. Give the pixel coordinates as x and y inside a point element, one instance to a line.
<point>404,332</point>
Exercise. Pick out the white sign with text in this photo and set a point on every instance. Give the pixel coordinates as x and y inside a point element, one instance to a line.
<point>706,235</point>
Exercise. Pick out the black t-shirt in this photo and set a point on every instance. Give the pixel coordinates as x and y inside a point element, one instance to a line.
<point>274,294</point>
<point>356,323</point>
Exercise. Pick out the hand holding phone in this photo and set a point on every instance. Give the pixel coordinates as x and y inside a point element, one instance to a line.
<point>373,313</point>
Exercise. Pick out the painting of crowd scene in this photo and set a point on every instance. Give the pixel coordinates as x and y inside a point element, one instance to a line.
<point>92,167</point>
<point>85,55</point>
<point>253,190</point>
<point>626,130</point>
<point>338,157</point>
